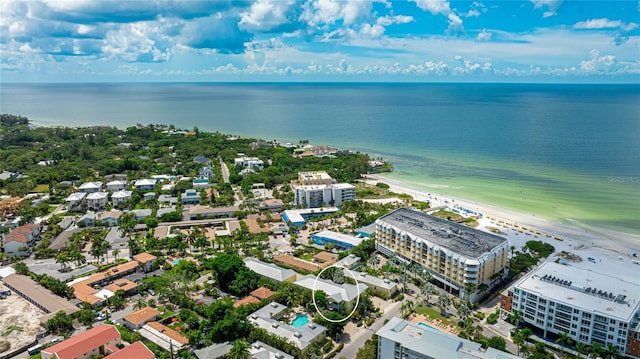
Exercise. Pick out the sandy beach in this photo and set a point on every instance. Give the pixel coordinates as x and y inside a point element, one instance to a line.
<point>588,241</point>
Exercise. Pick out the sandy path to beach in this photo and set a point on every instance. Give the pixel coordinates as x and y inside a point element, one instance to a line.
<point>586,239</point>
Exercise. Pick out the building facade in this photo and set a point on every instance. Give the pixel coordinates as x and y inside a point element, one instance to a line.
<point>455,255</point>
<point>590,307</point>
<point>400,339</point>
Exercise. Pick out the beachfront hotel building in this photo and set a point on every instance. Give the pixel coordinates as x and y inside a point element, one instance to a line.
<point>455,255</point>
<point>317,189</point>
<point>400,339</point>
<point>590,307</point>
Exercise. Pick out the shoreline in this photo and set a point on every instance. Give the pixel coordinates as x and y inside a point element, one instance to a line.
<point>579,236</point>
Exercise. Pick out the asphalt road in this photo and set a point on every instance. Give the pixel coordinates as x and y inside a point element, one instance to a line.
<point>357,341</point>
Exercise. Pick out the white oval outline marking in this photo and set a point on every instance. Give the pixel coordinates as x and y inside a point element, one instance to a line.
<point>313,297</point>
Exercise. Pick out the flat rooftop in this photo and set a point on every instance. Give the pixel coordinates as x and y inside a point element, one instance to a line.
<point>338,292</point>
<point>458,238</point>
<point>585,289</point>
<point>338,237</point>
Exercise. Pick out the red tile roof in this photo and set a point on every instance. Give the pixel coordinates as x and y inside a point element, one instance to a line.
<point>144,257</point>
<point>136,350</point>
<point>263,293</point>
<point>246,301</point>
<point>82,343</point>
<point>143,315</point>
<point>169,332</point>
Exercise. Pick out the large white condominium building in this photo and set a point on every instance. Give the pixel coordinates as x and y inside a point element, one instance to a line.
<point>590,307</point>
<point>457,256</point>
<point>400,339</point>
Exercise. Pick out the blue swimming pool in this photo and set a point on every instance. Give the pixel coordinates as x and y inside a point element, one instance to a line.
<point>300,321</point>
<point>176,261</point>
<point>422,324</point>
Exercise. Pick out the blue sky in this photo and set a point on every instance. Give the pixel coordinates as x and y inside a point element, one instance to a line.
<point>319,40</point>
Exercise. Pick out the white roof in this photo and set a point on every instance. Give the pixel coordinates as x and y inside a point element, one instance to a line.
<point>369,279</point>
<point>117,183</point>
<point>260,350</point>
<point>77,196</point>
<point>145,182</point>
<point>434,343</point>
<point>337,292</point>
<point>300,337</point>
<point>269,270</point>
<point>339,237</point>
<point>348,261</point>
<point>98,195</point>
<point>122,194</point>
<point>343,186</point>
<point>572,291</point>
<point>90,185</point>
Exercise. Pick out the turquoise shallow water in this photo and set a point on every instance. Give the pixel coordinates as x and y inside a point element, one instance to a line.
<point>562,152</point>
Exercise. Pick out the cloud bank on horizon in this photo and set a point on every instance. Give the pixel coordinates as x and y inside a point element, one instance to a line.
<point>319,40</point>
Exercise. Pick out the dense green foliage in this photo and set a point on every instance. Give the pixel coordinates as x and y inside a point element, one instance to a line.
<point>542,248</point>
<point>82,154</point>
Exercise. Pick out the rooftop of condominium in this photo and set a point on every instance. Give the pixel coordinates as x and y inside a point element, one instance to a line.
<point>458,238</point>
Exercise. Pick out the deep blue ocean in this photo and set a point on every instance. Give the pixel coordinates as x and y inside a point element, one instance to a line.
<point>563,152</point>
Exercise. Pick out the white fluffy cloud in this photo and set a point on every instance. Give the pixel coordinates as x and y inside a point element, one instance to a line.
<point>435,7</point>
<point>266,15</point>
<point>597,63</point>
<point>552,6</point>
<point>605,23</point>
<point>484,35</point>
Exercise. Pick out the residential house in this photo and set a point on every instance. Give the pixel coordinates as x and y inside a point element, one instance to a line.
<point>191,196</point>
<point>122,196</point>
<point>111,218</point>
<point>96,201</point>
<point>145,184</point>
<point>271,204</point>
<point>90,187</point>
<point>138,319</point>
<point>268,319</point>
<point>136,350</point>
<point>76,202</point>
<point>162,211</point>
<point>200,183</point>
<point>260,350</point>
<point>198,212</point>
<point>146,260</point>
<point>87,220</point>
<point>95,341</point>
<point>163,336</point>
<point>339,295</point>
<point>202,160</point>
<point>149,196</point>
<point>141,214</point>
<point>381,287</point>
<point>115,186</point>
<point>270,271</point>
<point>251,163</point>
<point>206,172</point>
<point>167,199</point>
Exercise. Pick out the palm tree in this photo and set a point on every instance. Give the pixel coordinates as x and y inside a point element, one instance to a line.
<point>596,349</point>
<point>239,350</point>
<point>463,311</point>
<point>115,254</point>
<point>77,257</point>
<point>443,302</point>
<point>612,351</point>
<point>516,316</point>
<point>581,348</point>
<point>374,260</point>
<point>63,259</point>
<point>140,303</point>
<point>563,339</point>
<point>429,289</point>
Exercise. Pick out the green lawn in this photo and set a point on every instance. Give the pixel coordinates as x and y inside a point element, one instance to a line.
<point>435,314</point>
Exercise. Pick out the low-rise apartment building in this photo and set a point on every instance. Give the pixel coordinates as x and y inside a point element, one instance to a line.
<point>589,306</point>
<point>455,255</point>
<point>95,341</point>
